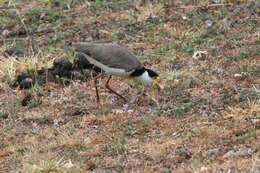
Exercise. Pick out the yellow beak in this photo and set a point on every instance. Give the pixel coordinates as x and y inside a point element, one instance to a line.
<point>155,82</point>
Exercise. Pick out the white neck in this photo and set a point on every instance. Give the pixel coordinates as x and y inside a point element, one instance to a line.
<point>145,78</point>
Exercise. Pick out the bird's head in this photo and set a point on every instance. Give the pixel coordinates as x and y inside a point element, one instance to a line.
<point>155,79</point>
<point>147,77</point>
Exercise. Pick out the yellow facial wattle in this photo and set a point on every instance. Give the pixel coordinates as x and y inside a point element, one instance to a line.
<point>155,82</point>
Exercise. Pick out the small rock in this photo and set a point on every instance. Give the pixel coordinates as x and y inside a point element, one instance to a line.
<point>63,64</point>
<point>184,17</point>
<point>200,55</point>
<point>237,75</point>
<point>56,123</point>
<point>26,83</point>
<point>240,76</point>
<point>26,100</point>
<point>22,76</point>
<point>62,68</point>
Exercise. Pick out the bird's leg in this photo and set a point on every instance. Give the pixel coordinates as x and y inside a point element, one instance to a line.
<point>96,88</point>
<point>108,87</point>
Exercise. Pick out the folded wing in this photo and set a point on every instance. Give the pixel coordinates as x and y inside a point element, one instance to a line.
<point>111,55</point>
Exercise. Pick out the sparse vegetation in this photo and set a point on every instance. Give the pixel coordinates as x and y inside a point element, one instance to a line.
<point>205,119</point>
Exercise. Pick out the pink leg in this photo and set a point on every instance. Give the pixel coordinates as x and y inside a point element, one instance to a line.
<point>108,87</point>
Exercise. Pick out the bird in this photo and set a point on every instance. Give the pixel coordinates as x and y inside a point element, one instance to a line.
<point>116,60</point>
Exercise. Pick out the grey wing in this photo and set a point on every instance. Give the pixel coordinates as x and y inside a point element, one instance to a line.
<point>111,55</point>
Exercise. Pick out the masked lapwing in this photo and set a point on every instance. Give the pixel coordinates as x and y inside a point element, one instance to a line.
<point>118,61</point>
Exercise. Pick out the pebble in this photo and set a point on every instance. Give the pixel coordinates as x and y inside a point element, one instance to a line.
<point>62,64</point>
<point>26,100</point>
<point>26,83</point>
<point>22,76</point>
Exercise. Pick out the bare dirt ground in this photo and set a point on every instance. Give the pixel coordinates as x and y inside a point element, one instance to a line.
<point>205,120</point>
